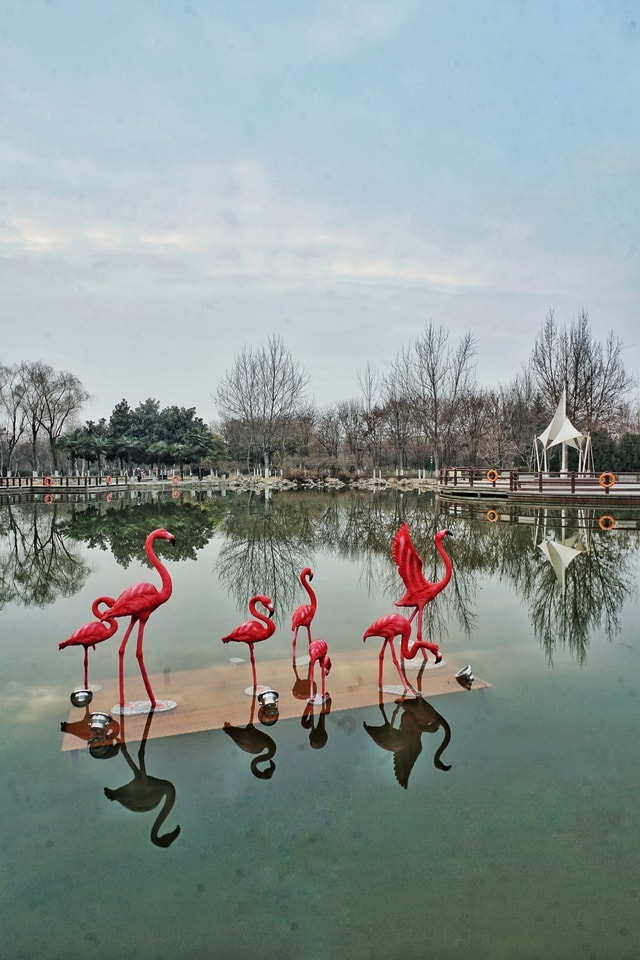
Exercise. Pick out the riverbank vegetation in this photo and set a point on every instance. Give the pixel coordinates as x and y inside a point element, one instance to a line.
<point>423,412</point>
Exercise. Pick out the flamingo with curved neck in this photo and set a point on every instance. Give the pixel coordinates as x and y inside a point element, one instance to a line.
<point>138,603</point>
<point>252,631</point>
<point>318,653</point>
<point>91,633</point>
<point>304,614</point>
<point>419,591</point>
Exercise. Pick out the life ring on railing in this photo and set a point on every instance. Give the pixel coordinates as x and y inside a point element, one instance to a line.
<point>175,478</point>
<point>48,481</point>
<point>49,498</point>
<point>492,516</point>
<point>492,475</point>
<point>107,480</point>
<point>606,522</point>
<point>607,479</point>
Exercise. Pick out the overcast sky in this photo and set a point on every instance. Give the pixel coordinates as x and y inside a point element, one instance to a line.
<point>182,179</point>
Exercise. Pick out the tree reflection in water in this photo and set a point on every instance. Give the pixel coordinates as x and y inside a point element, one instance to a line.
<point>266,540</point>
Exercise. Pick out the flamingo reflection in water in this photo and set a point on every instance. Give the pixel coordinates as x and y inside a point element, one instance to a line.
<point>419,591</point>
<point>405,741</point>
<point>255,741</point>
<point>145,792</point>
<point>304,614</point>
<point>252,631</point>
<point>318,735</point>
<point>94,632</point>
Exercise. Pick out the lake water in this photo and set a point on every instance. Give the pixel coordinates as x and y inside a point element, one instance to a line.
<point>527,847</point>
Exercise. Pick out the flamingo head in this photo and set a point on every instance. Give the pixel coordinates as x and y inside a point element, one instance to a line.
<point>441,534</point>
<point>327,664</point>
<point>162,534</point>
<point>306,574</point>
<point>266,602</point>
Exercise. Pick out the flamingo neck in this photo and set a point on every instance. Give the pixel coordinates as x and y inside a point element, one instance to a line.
<point>258,613</point>
<point>167,585</point>
<point>448,566</point>
<point>307,586</point>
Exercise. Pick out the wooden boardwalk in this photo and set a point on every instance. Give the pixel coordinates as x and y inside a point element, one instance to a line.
<point>537,488</point>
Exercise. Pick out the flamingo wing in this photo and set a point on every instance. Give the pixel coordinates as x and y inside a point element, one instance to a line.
<point>408,560</point>
<point>139,599</point>
<point>405,758</point>
<point>302,616</point>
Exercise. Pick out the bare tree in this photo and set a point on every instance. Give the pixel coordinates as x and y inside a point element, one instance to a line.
<point>50,400</point>
<point>263,390</point>
<point>440,380</point>
<point>592,373</point>
<point>14,420</point>
<point>329,431</point>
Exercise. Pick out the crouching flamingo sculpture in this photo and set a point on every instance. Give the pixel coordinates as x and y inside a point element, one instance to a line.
<point>138,603</point>
<point>91,633</point>
<point>252,631</point>
<point>388,627</point>
<point>318,653</point>
<point>419,591</point>
<point>304,614</point>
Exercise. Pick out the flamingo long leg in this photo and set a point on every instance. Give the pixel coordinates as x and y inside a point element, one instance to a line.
<point>86,668</point>
<point>123,646</point>
<point>406,685</point>
<point>143,669</point>
<point>253,668</point>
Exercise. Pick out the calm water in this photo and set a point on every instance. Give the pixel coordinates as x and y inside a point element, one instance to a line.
<point>526,848</point>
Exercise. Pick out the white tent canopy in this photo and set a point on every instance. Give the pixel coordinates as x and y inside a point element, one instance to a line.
<point>562,431</point>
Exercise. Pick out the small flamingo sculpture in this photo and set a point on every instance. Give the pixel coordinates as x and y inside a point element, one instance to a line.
<point>92,633</point>
<point>251,631</point>
<point>419,591</point>
<point>388,627</point>
<point>138,603</point>
<point>318,652</point>
<point>304,614</point>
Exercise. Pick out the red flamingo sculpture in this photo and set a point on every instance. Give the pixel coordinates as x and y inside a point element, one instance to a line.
<point>138,603</point>
<point>419,591</point>
<point>304,614</point>
<point>389,627</point>
<point>251,631</point>
<point>92,633</point>
<point>318,653</point>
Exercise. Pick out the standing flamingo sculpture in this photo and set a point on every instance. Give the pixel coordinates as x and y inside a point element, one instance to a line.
<point>92,633</point>
<point>138,603</point>
<point>419,591</point>
<point>251,631</point>
<point>318,653</point>
<point>304,614</point>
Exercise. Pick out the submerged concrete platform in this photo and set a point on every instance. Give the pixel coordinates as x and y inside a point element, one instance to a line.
<point>206,699</point>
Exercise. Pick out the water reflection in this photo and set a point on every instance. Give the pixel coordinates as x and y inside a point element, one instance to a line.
<point>266,542</point>
<point>38,563</point>
<point>255,741</point>
<point>316,726</point>
<point>143,793</point>
<point>405,741</point>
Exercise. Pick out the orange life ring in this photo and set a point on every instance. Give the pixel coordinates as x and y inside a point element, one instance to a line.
<point>175,494</point>
<point>492,516</point>
<point>107,480</point>
<point>606,522</point>
<point>109,497</point>
<point>175,478</point>
<point>48,481</point>
<point>49,498</point>
<point>492,475</point>
<point>607,479</point>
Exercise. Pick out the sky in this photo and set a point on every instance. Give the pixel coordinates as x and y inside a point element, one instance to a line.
<point>182,180</point>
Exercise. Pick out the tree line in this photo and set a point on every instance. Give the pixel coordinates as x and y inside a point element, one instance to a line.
<point>425,411</point>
